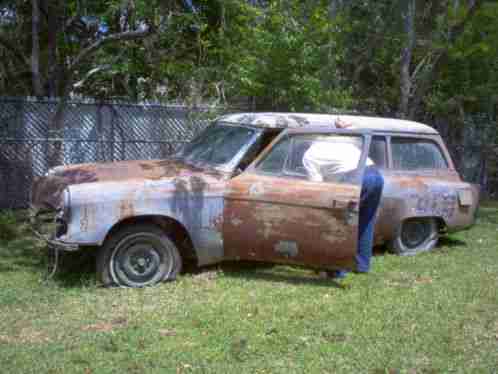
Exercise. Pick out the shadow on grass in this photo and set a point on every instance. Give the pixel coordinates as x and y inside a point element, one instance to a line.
<point>488,215</point>
<point>21,253</point>
<point>76,269</point>
<point>447,244</point>
<point>267,272</point>
<point>450,242</point>
<point>29,254</point>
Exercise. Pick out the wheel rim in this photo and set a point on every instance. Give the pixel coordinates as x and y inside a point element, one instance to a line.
<point>415,232</point>
<point>140,260</point>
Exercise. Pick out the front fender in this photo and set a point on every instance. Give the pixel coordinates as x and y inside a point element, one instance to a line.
<point>98,207</point>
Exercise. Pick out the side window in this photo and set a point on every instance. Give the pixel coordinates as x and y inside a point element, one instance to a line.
<point>324,157</point>
<point>265,139</point>
<point>295,165</point>
<point>275,160</point>
<point>413,154</point>
<point>378,151</point>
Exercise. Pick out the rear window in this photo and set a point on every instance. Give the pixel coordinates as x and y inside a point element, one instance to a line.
<point>413,154</point>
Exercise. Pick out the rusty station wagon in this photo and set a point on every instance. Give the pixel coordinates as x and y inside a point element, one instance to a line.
<point>240,191</point>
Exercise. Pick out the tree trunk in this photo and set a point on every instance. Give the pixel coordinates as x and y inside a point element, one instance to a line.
<point>35,49</point>
<point>52,81</point>
<point>406,58</point>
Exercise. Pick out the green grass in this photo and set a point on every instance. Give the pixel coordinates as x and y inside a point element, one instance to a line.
<point>432,313</point>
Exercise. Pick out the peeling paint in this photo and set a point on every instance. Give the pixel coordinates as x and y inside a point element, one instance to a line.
<point>237,222</point>
<point>287,248</point>
<point>253,216</point>
<point>256,189</point>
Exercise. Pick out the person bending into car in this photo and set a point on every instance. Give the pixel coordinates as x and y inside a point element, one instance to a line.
<point>342,163</point>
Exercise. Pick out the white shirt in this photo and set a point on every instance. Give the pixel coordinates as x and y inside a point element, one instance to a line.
<point>328,159</point>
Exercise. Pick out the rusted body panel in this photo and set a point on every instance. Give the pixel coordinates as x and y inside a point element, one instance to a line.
<point>283,220</point>
<point>255,216</point>
<point>46,190</point>
<point>112,193</point>
<point>424,194</point>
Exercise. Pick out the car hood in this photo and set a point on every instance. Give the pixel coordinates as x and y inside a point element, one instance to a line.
<point>47,190</point>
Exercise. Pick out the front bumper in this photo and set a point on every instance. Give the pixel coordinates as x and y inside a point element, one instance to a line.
<point>44,224</point>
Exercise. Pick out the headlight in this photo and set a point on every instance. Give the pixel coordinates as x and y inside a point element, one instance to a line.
<point>63,213</point>
<point>54,170</point>
<point>65,209</point>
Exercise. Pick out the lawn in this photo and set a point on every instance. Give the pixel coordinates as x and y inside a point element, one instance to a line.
<point>435,312</point>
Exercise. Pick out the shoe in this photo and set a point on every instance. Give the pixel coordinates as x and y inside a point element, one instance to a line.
<point>337,274</point>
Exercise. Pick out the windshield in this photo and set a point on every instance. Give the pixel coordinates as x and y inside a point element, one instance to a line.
<point>216,145</point>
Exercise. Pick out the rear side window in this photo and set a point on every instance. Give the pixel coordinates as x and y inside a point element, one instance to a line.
<point>413,154</point>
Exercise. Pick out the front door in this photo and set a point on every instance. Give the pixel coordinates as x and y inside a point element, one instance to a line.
<point>297,204</point>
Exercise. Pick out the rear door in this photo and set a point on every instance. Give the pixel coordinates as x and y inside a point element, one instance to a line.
<point>291,206</point>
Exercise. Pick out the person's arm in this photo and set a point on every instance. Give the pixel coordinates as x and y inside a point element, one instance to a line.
<point>341,124</point>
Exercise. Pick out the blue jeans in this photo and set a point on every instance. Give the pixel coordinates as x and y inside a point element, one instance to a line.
<point>371,193</point>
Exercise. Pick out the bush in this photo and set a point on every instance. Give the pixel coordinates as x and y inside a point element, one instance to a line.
<point>8,226</point>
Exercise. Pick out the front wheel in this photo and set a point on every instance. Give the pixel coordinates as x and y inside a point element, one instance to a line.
<point>415,235</point>
<point>138,256</point>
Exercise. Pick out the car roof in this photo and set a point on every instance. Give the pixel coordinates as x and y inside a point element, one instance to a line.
<point>305,120</point>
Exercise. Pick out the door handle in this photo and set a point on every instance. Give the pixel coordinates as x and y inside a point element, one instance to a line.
<point>353,207</point>
<point>347,205</point>
<point>351,213</point>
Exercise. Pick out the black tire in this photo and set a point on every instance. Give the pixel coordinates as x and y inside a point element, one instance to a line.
<point>138,256</point>
<point>415,235</point>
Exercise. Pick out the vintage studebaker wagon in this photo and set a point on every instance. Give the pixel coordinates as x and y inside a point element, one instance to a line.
<point>242,190</point>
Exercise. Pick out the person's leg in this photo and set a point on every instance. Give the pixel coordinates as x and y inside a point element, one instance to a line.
<point>371,192</point>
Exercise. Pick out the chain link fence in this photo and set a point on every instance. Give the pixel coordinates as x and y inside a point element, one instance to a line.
<point>92,132</point>
<point>112,131</point>
<point>473,145</point>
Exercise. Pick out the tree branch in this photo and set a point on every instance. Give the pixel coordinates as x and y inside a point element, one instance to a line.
<point>406,81</point>
<point>95,46</point>
<point>438,56</point>
<point>460,27</point>
<point>35,49</point>
<point>19,56</point>
<point>57,124</point>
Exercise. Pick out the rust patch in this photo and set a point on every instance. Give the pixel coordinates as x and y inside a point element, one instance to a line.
<point>85,219</point>
<point>46,191</point>
<point>217,222</point>
<point>289,211</point>
<point>126,209</point>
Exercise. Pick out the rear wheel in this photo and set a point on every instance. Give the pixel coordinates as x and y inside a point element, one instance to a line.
<point>416,235</point>
<point>138,256</point>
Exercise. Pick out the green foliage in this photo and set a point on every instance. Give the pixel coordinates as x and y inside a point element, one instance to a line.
<point>8,226</point>
<point>295,55</point>
<point>469,79</point>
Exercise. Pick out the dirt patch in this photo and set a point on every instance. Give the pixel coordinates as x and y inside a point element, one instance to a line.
<point>206,276</point>
<point>167,332</point>
<point>26,336</point>
<point>424,280</point>
<point>106,326</point>
<point>407,280</point>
